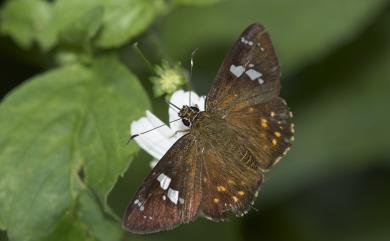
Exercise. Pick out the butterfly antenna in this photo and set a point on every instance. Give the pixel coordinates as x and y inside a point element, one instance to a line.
<point>138,134</point>
<point>190,78</point>
<point>172,105</point>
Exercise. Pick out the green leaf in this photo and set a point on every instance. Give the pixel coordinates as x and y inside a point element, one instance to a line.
<point>65,13</point>
<point>2,226</point>
<point>25,20</point>
<point>122,19</point>
<point>76,38</point>
<point>37,20</point>
<point>301,30</point>
<point>197,2</point>
<point>64,131</point>
<point>125,19</point>
<point>68,228</point>
<point>98,224</point>
<point>116,105</point>
<point>82,30</point>
<point>85,222</point>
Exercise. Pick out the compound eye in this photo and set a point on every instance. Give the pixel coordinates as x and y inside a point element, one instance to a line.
<point>186,122</point>
<point>194,108</point>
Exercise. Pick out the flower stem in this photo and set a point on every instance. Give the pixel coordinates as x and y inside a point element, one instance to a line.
<point>138,51</point>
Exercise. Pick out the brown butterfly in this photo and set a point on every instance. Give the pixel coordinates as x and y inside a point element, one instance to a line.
<point>217,167</point>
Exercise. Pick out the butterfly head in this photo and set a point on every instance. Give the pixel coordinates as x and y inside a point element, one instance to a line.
<point>188,114</point>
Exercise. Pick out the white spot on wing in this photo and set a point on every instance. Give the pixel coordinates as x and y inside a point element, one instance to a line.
<point>247,42</point>
<point>181,200</point>
<point>164,197</point>
<point>261,81</point>
<point>173,195</point>
<point>164,181</point>
<point>237,70</point>
<point>253,74</point>
<point>277,160</point>
<point>285,151</point>
<point>139,204</point>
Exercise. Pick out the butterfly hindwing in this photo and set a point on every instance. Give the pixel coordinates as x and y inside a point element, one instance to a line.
<point>230,183</point>
<point>170,195</point>
<point>265,129</point>
<point>249,74</point>
<point>239,150</point>
<point>231,176</point>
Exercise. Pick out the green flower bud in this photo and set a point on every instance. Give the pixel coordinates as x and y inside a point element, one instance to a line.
<point>168,78</point>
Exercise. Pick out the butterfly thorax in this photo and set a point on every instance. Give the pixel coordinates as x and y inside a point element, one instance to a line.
<point>188,114</point>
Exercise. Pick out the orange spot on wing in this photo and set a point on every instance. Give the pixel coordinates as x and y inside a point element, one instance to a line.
<point>241,193</point>
<point>274,142</point>
<point>264,123</point>
<point>221,188</point>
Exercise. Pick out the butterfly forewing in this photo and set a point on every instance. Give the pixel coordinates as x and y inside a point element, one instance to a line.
<point>170,195</point>
<point>249,74</point>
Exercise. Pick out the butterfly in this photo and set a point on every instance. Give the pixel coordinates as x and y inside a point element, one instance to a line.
<point>217,167</point>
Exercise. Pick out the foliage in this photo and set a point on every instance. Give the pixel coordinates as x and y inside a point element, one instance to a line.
<point>64,131</point>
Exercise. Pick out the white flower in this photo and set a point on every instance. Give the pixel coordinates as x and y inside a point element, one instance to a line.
<point>157,142</point>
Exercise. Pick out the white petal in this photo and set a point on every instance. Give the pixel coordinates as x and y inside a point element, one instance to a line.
<point>202,103</point>
<point>153,163</point>
<point>176,99</point>
<point>164,131</point>
<point>156,142</point>
<point>144,140</point>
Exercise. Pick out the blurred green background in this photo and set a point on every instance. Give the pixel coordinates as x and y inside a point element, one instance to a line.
<point>334,184</point>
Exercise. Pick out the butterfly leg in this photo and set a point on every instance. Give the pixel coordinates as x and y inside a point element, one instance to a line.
<point>179,131</point>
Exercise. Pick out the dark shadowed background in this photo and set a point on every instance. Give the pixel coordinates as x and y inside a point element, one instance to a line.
<point>334,184</point>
